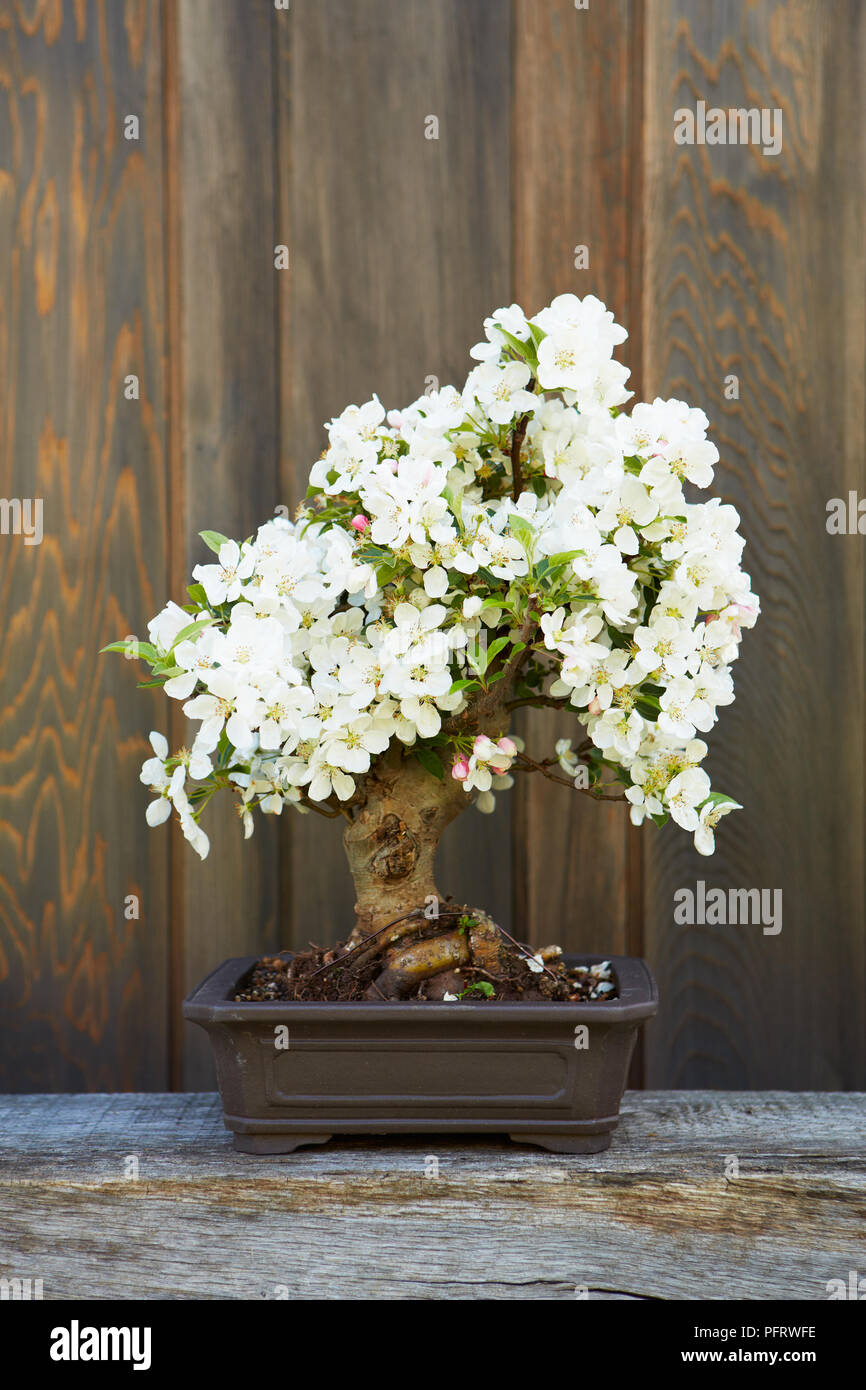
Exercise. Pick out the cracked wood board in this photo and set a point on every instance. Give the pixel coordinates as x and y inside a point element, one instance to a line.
<point>654,1217</point>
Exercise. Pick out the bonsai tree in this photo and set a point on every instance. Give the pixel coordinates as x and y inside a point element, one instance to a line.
<point>521,541</point>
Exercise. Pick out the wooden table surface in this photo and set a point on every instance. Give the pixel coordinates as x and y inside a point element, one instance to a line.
<point>703,1195</point>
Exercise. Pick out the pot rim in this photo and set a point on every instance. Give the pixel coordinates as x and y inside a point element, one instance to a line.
<point>637,998</point>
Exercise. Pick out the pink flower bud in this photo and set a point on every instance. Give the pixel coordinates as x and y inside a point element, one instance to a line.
<point>507,747</point>
<point>594,706</point>
<point>460,769</point>
<point>360,522</point>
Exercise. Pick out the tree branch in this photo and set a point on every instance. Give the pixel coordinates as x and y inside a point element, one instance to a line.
<point>517,439</point>
<point>513,665</point>
<point>319,808</point>
<point>530,765</point>
<point>546,700</point>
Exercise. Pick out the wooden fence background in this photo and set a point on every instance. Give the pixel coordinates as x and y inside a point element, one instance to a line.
<point>305,126</point>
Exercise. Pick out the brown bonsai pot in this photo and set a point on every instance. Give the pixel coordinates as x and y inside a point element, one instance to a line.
<point>300,1073</point>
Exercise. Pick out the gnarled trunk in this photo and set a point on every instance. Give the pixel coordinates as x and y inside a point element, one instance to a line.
<point>391,843</point>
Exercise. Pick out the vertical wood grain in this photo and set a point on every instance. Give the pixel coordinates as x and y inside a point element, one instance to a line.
<point>755,266</point>
<point>230,428</point>
<point>400,246</point>
<point>82,987</point>
<point>576,114</point>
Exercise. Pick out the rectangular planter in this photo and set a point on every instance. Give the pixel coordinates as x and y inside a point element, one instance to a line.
<point>300,1073</point>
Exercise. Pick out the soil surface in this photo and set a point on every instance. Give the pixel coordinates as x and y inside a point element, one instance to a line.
<point>345,973</point>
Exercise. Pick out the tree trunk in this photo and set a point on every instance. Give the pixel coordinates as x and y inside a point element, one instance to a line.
<point>391,843</point>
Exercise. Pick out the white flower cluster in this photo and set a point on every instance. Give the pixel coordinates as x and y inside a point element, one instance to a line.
<point>524,531</point>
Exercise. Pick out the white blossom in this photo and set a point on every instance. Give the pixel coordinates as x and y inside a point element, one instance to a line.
<point>412,579</point>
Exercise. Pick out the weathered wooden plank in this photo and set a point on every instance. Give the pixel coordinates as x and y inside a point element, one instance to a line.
<point>660,1215</point>
<point>400,246</point>
<point>46,1135</point>
<point>755,267</point>
<point>81,309</point>
<point>227,359</point>
<point>575,105</point>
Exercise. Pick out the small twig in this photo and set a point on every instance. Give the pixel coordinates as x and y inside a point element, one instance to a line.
<point>533,766</point>
<point>517,439</point>
<point>320,810</point>
<point>340,960</point>
<point>537,700</point>
<point>512,667</point>
<point>525,953</point>
<point>416,911</point>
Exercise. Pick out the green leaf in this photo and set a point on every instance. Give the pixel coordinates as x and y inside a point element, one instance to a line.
<point>463,685</point>
<point>213,540</point>
<point>478,661</point>
<point>191,629</point>
<point>479,987</point>
<point>144,650</point>
<point>523,531</point>
<point>525,350</point>
<point>719,799</point>
<point>562,557</point>
<point>494,649</point>
<point>649,712</point>
<point>430,761</point>
<point>198,595</point>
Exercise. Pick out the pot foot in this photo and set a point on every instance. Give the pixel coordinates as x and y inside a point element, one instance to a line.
<point>566,1143</point>
<point>276,1143</point>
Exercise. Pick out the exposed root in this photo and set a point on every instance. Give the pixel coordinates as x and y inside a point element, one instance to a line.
<point>407,966</point>
<point>477,943</point>
<point>486,944</point>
